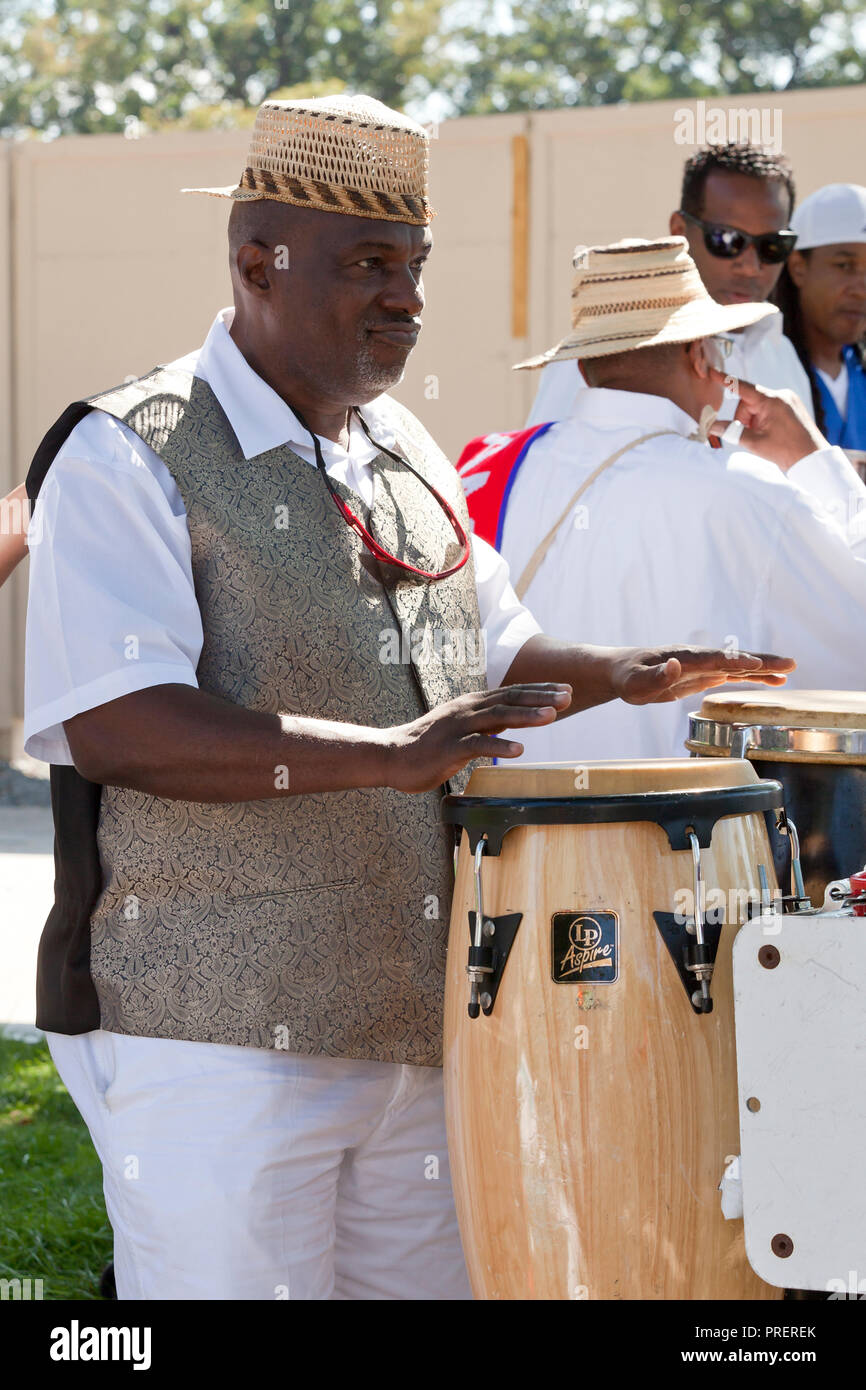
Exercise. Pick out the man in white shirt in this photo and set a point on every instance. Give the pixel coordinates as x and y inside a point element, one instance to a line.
<point>671,535</point>
<point>242,989</point>
<point>735,207</point>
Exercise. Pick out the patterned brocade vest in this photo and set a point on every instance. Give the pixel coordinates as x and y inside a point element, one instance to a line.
<point>316,923</point>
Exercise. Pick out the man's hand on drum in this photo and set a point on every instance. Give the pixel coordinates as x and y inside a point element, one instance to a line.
<point>775,424</point>
<point>423,754</point>
<point>658,675</point>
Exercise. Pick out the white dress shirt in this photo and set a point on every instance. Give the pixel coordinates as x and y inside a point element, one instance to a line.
<point>838,387</point>
<point>678,542</point>
<point>760,354</point>
<point>110,556</point>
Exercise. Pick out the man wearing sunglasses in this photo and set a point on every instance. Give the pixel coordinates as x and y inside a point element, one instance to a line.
<point>735,208</point>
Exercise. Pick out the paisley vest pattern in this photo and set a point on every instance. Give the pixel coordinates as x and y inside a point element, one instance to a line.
<point>315,924</point>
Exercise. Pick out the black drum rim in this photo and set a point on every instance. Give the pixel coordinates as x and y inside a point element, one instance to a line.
<point>678,813</point>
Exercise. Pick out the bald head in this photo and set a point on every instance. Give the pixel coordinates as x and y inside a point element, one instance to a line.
<point>263,220</point>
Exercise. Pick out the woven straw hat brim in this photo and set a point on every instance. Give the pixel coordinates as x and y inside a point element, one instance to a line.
<point>623,332</point>
<point>384,207</point>
<point>346,154</point>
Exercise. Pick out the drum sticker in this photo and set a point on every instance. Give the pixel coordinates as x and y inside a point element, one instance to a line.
<point>585,948</point>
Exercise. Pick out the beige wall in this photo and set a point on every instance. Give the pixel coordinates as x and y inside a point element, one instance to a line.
<point>112,270</point>
<point>10,602</point>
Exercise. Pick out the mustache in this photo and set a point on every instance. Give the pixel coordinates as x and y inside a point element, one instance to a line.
<point>403,321</point>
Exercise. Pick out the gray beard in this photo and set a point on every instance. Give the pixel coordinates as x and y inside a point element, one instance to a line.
<point>370,374</point>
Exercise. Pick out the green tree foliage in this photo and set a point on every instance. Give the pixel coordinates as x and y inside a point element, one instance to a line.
<point>549,53</point>
<point>96,66</point>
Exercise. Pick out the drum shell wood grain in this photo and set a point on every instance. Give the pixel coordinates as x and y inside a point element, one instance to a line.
<point>587,1164</point>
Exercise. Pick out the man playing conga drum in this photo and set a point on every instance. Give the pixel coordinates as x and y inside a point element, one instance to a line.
<point>242,975</point>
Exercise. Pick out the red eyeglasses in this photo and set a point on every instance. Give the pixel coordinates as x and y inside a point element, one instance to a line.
<point>358,526</point>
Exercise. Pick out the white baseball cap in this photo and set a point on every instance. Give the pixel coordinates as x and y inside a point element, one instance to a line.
<point>835,214</point>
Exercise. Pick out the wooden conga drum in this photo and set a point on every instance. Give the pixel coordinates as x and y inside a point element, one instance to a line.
<point>814,743</point>
<point>590,1078</point>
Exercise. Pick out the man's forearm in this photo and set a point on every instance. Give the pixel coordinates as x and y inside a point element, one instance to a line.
<point>184,744</point>
<point>588,670</point>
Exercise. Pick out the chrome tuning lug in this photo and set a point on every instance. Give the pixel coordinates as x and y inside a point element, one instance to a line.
<point>480,956</point>
<point>694,941</point>
<point>699,960</point>
<point>798,901</point>
<point>491,939</point>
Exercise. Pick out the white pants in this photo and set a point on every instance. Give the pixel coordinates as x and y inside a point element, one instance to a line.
<point>240,1173</point>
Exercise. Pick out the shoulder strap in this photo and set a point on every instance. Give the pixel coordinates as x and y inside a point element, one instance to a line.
<point>50,446</point>
<point>546,542</point>
<point>168,386</point>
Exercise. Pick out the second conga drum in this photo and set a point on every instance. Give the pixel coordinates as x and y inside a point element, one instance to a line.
<point>814,743</point>
<point>590,1074</point>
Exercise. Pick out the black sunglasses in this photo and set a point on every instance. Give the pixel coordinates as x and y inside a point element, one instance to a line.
<point>729,242</point>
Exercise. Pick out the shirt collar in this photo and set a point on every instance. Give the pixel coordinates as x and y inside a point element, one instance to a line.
<point>608,409</point>
<point>259,417</point>
<point>850,357</point>
<point>769,327</point>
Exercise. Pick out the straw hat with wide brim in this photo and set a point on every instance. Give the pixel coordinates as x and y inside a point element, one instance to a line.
<point>637,294</point>
<point>346,154</point>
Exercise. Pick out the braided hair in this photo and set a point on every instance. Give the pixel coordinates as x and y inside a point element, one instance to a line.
<point>786,297</point>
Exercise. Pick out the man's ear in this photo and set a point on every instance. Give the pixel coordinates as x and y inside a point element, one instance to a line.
<point>251,266</point>
<point>677,224</point>
<point>697,355</point>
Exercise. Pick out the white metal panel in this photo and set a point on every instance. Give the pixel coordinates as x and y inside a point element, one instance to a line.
<point>801,1053</point>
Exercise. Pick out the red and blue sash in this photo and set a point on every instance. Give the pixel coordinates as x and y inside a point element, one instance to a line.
<point>488,468</point>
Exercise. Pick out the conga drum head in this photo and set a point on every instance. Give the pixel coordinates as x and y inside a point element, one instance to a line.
<point>608,778</point>
<point>592,1101</point>
<point>776,725</point>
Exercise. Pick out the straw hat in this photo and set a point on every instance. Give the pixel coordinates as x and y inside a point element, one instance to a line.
<point>346,154</point>
<point>637,294</point>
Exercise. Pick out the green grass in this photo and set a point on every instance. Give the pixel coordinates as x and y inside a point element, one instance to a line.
<point>53,1224</point>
